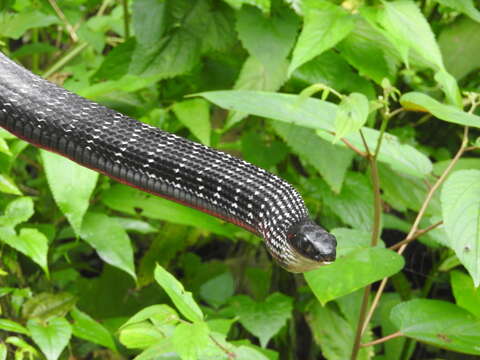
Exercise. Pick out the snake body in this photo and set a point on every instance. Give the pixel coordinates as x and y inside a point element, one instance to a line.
<point>163,164</point>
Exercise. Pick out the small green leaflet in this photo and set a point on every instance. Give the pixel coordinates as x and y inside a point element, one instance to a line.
<point>195,115</point>
<point>466,295</point>
<point>46,306</point>
<point>325,24</point>
<point>182,299</point>
<point>461,213</point>
<point>352,114</point>
<point>464,6</point>
<point>87,328</point>
<point>51,337</point>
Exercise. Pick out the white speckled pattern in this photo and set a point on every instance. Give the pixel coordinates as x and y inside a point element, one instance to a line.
<point>149,158</point>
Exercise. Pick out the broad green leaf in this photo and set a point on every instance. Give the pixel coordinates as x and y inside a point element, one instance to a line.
<point>354,204</point>
<point>115,64</point>
<point>46,306</point>
<point>4,147</point>
<point>168,57</point>
<point>157,313</point>
<point>268,39</point>
<point>195,115</point>
<point>248,353</point>
<point>438,323</point>
<point>460,56</point>
<point>318,114</point>
<point>263,5</point>
<point>7,185</point>
<point>15,25</point>
<point>131,201</point>
<point>367,50</point>
<point>88,329</point>
<point>182,299</point>
<point>51,337</point>
<point>350,240</point>
<point>264,154</point>
<point>393,347</point>
<point>263,319</point>
<point>17,211</point>
<point>189,339</point>
<point>330,161</point>
<point>352,114</point>
<point>23,346</point>
<point>12,326</point>
<point>464,6</point>
<point>466,295</point>
<point>461,213</point>
<point>148,17</point>
<point>31,243</point>
<point>218,290</point>
<point>333,333</point>
<point>409,29</point>
<point>324,26</point>
<point>352,272</point>
<point>71,186</point>
<point>135,225</point>
<point>110,241</point>
<point>140,335</point>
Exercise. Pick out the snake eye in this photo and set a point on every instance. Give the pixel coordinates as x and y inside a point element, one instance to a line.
<point>312,241</point>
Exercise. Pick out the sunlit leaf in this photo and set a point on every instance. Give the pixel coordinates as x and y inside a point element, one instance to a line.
<point>88,329</point>
<point>464,6</point>
<point>195,115</point>
<point>51,337</point>
<point>189,339</point>
<point>352,114</point>
<point>12,326</point>
<point>461,214</point>
<point>438,323</point>
<point>466,294</point>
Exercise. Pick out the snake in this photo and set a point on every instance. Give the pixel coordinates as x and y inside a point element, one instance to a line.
<point>164,164</point>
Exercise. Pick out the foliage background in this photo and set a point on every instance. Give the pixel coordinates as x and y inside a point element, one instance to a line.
<point>82,257</point>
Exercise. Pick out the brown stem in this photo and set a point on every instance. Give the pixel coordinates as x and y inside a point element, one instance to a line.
<point>351,146</point>
<point>383,339</point>
<point>223,348</point>
<point>421,213</point>
<point>416,235</point>
<point>61,15</point>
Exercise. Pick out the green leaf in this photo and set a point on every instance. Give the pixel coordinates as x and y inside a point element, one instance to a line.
<point>248,353</point>
<point>134,225</point>
<point>3,352</point>
<point>218,290</point>
<point>88,329</point>
<point>17,211</point>
<point>466,295</point>
<point>263,319</point>
<point>4,147</point>
<point>31,243</point>
<point>12,326</point>
<point>268,39</point>
<point>46,306</point>
<point>23,346</point>
<point>350,240</point>
<point>15,25</point>
<point>8,186</point>
<point>461,213</point>
<point>438,323</point>
<point>110,241</point>
<point>195,115</point>
<point>182,299</point>
<point>409,29</point>
<point>333,333</point>
<point>464,6</point>
<point>318,114</point>
<point>352,114</point>
<point>264,154</point>
<point>71,186</point>
<point>263,5</point>
<point>460,56</point>
<point>131,201</point>
<point>168,57</point>
<point>313,149</point>
<point>324,26</point>
<point>189,339</point>
<point>140,336</point>
<point>352,272</point>
<point>51,337</point>
<point>116,63</point>
<point>148,17</point>
<point>157,313</point>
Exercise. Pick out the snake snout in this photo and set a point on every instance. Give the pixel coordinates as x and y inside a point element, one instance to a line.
<point>312,241</point>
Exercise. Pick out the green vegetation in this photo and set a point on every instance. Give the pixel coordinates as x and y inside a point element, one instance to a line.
<point>367,107</point>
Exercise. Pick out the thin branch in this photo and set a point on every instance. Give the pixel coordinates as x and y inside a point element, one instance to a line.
<point>65,59</point>
<point>351,146</point>
<point>419,233</point>
<point>61,15</point>
<point>365,143</point>
<point>223,348</point>
<point>383,339</point>
<point>414,228</point>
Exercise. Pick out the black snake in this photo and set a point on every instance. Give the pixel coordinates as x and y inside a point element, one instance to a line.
<point>163,164</point>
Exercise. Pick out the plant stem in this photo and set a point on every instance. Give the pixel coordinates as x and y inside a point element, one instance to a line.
<point>62,17</point>
<point>416,235</point>
<point>414,229</point>
<point>65,59</point>
<point>126,19</point>
<point>383,339</point>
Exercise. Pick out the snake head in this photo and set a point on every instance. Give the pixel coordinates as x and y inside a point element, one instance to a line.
<point>313,242</point>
